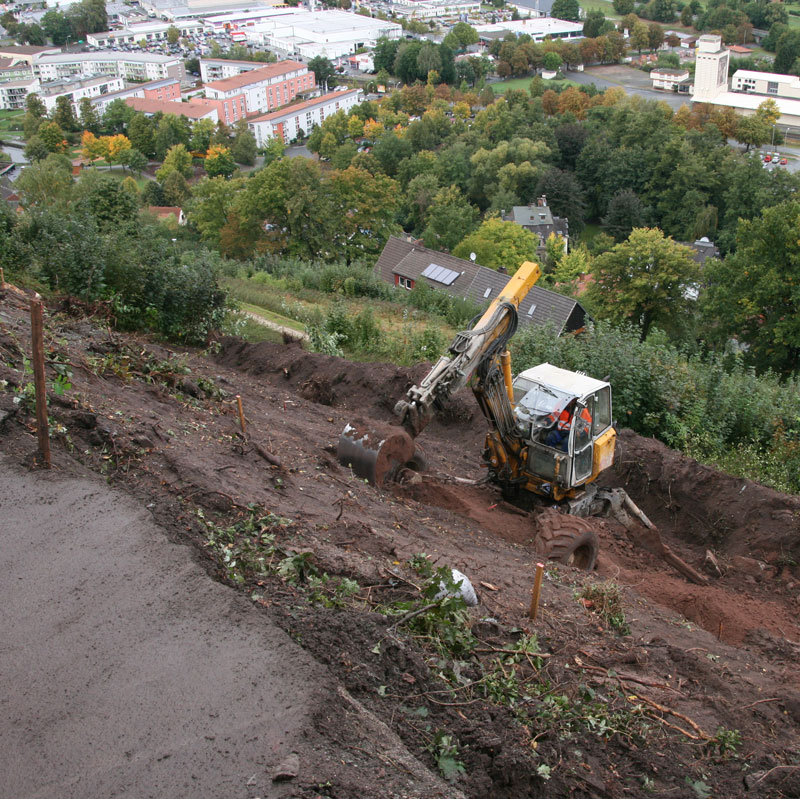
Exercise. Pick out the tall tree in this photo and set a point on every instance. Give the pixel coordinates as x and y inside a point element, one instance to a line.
<point>499,244</point>
<point>323,71</point>
<point>89,118</point>
<point>754,294</point>
<point>566,9</point>
<point>644,280</point>
<point>63,114</point>
<point>449,217</point>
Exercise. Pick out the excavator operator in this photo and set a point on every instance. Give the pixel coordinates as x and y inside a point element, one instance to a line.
<point>558,435</point>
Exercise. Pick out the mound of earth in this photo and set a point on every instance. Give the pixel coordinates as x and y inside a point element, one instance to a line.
<point>696,694</point>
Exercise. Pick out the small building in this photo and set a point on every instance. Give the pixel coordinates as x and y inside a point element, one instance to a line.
<point>13,93</point>
<point>168,213</point>
<point>298,120</point>
<point>702,249</point>
<point>539,219</point>
<point>406,263</point>
<point>671,80</point>
<point>166,89</point>
<point>212,69</point>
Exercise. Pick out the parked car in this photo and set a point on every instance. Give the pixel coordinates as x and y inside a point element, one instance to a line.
<point>767,159</point>
<point>784,161</point>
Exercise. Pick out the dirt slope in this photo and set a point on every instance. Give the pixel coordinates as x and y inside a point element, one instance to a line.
<point>163,431</point>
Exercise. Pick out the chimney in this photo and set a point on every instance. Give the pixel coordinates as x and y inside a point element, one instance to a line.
<point>502,270</point>
<point>542,201</point>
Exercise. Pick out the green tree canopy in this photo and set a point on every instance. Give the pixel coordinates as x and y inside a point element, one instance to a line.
<point>646,280</point>
<point>499,244</point>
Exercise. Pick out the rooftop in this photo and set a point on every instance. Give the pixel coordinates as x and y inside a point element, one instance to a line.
<point>770,76</point>
<point>255,75</point>
<point>291,110</point>
<point>189,110</point>
<point>104,55</point>
<point>752,101</point>
<point>25,49</point>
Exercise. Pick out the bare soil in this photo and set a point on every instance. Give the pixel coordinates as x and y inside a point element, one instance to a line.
<point>161,424</point>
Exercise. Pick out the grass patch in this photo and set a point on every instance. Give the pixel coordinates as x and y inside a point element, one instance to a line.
<point>7,119</point>
<point>271,316</point>
<point>524,83</point>
<point>606,6</point>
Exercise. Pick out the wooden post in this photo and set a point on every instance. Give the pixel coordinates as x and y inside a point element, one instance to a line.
<point>241,413</point>
<point>537,590</point>
<point>37,346</point>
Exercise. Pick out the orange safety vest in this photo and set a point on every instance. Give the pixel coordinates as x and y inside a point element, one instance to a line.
<point>562,421</point>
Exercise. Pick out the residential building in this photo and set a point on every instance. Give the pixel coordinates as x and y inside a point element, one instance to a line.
<point>12,69</point>
<point>14,92</point>
<point>406,263</point>
<point>671,80</point>
<point>193,110</point>
<point>75,89</point>
<point>130,66</point>
<point>212,69</point>
<point>299,33</point>
<point>299,119</point>
<point>270,86</point>
<point>167,89</point>
<point>27,54</point>
<point>539,219</point>
<point>703,249</point>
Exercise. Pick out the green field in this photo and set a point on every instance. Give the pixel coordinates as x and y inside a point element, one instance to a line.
<point>6,119</point>
<point>524,84</point>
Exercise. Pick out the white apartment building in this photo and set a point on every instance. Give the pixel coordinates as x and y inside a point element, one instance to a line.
<point>268,87</point>
<point>219,68</point>
<point>299,119</point>
<point>435,9</point>
<point>14,92</point>
<point>77,88</point>
<point>131,66</point>
<point>308,34</point>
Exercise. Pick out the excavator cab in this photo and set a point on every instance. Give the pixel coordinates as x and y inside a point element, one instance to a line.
<point>564,418</point>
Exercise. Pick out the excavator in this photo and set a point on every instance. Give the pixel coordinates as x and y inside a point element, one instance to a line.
<point>550,436</point>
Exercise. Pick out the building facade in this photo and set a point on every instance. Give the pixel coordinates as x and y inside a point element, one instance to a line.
<point>299,119</point>
<point>130,66</point>
<point>265,88</point>
<point>167,89</point>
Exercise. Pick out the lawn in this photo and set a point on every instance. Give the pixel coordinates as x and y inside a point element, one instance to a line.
<point>524,84</point>
<point>7,118</point>
<point>271,316</point>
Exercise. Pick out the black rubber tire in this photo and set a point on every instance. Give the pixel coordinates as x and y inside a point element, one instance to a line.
<point>567,539</point>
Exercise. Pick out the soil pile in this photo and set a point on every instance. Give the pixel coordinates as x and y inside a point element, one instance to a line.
<point>651,705</point>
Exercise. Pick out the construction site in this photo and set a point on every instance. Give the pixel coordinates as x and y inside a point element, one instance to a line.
<point>207,484</point>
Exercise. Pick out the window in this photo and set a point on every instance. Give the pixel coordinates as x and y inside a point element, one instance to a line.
<point>531,309</point>
<point>772,87</point>
<point>404,282</point>
<point>487,293</point>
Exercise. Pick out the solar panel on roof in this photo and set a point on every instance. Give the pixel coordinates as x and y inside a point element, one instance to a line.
<point>441,275</point>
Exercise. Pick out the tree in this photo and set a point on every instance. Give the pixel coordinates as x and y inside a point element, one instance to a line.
<point>273,150</point>
<point>134,160</point>
<point>640,37</point>
<point>499,244</point>
<point>687,17</point>
<point>140,132</point>
<point>449,217</point>
<point>53,137</point>
<point>117,115</point>
<point>36,149</point>
<point>655,35</point>
<point>593,23</point>
<point>89,117</point>
<point>461,35</point>
<point>116,148</point>
<point>244,148</point>
<point>211,205</point>
<point>46,183</point>
<point>788,50</point>
<point>219,161</point>
<point>323,70</point>
<point>384,54</point>
<point>644,280</point>
<point>623,7</point>
<point>63,114</point>
<point>752,132</point>
<point>171,130</point>
<point>173,34</point>
<point>552,61</point>
<point>753,294</point>
<point>768,112</point>
<point>176,192</point>
<point>105,200</point>
<point>178,159</point>
<point>565,196</point>
<point>56,25</point>
<point>566,9</point>
<point>625,212</point>
<point>93,147</point>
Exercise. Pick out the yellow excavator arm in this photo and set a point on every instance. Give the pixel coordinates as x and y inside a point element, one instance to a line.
<point>486,339</point>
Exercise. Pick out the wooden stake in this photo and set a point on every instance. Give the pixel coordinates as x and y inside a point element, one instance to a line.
<point>2,278</point>
<point>537,590</point>
<point>241,413</point>
<point>37,346</point>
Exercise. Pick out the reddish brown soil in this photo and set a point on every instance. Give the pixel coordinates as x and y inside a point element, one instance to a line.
<point>721,655</point>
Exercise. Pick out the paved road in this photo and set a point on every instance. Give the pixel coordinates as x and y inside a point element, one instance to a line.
<point>673,100</point>
<point>124,669</point>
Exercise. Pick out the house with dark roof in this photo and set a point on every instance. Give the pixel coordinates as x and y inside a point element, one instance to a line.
<point>539,219</point>
<point>702,249</point>
<point>406,264</point>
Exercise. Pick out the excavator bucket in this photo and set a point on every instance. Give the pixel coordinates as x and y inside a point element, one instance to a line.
<point>376,453</point>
